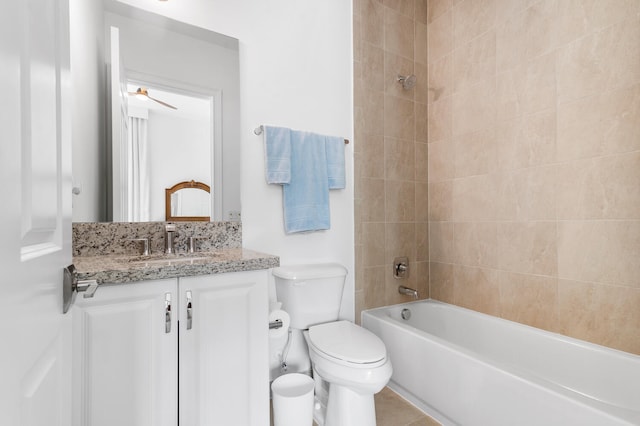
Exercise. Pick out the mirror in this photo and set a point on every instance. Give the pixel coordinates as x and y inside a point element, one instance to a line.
<point>172,59</point>
<point>188,202</point>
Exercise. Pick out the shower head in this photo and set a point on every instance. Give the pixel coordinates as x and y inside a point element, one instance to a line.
<point>407,81</point>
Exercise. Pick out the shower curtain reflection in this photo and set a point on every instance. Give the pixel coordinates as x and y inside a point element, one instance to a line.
<point>137,208</point>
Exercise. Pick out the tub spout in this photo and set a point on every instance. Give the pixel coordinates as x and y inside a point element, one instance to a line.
<point>408,291</point>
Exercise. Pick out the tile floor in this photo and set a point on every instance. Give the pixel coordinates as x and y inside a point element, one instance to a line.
<point>392,410</point>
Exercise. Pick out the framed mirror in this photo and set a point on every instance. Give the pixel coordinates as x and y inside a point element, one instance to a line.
<point>188,201</point>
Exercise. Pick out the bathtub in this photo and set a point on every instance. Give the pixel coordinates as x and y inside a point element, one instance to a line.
<point>466,368</point>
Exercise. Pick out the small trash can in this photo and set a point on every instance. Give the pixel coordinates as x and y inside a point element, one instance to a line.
<point>292,400</point>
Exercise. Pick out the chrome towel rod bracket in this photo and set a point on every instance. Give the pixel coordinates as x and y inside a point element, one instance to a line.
<point>260,129</point>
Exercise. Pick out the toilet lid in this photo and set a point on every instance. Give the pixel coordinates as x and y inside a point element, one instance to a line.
<point>348,342</point>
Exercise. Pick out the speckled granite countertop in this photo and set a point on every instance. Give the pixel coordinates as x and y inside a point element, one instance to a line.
<point>119,268</point>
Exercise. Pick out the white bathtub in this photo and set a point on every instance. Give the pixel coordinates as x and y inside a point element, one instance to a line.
<point>466,368</point>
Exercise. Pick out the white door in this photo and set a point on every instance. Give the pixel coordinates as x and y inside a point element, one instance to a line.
<point>223,350</point>
<point>35,212</point>
<point>126,355</point>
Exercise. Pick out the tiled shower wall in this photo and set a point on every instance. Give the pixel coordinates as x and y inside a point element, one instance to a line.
<point>390,38</point>
<point>534,163</point>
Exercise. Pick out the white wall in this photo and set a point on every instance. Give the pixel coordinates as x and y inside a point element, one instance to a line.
<point>295,71</point>
<point>88,131</point>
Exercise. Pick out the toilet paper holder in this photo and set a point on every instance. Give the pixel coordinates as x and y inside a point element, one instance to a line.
<point>275,324</point>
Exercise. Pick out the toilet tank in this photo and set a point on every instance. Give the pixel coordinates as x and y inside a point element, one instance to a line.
<point>311,294</point>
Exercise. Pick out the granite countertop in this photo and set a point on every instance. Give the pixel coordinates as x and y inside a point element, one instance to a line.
<point>118,268</point>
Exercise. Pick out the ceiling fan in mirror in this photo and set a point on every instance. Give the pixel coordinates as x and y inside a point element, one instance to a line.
<point>142,93</point>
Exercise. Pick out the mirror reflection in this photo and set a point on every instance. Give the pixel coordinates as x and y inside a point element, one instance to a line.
<point>169,140</point>
<point>153,146</point>
<point>188,202</point>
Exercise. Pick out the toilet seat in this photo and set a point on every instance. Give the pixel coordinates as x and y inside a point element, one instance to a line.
<point>347,343</point>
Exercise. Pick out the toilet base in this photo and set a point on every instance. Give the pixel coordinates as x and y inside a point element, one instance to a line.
<point>346,408</point>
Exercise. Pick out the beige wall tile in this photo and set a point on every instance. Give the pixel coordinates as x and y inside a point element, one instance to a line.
<point>526,141</point>
<point>601,124</point>
<point>511,41</point>
<point>440,36</point>
<point>422,12</point>
<point>607,315</point>
<point>440,121</point>
<point>373,242</point>
<point>475,153</point>
<point>400,201</point>
<point>527,88</point>
<point>405,7</point>
<point>441,282</point>
<point>421,270</point>
<point>373,199</point>
<point>601,61</point>
<point>422,162</point>
<point>422,241</point>
<point>528,247</point>
<point>441,247</point>
<point>472,18</point>
<point>400,241</point>
<point>420,54</point>
<point>475,61</point>
<point>440,78</point>
<point>436,8</point>
<point>577,18</point>
<point>399,32</point>
<point>421,89</point>
<point>540,27</point>
<point>441,201</point>
<point>529,299</point>
<point>422,202</point>
<point>372,59</point>
<point>600,251</point>
<point>360,306</point>
<point>474,198</point>
<point>600,188</point>
<point>477,289</point>
<point>371,115</point>
<point>399,159</point>
<point>474,108</point>
<point>476,244</point>
<point>398,118</point>
<point>373,22</point>
<point>372,165</point>
<point>374,295</point>
<point>422,130</point>
<point>441,161</point>
<point>528,194</point>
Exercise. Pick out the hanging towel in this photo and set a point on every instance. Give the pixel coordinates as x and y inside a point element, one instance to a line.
<point>306,196</point>
<point>335,162</point>
<point>277,148</point>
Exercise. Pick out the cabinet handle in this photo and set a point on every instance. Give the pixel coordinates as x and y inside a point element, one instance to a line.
<point>189,311</point>
<point>167,312</point>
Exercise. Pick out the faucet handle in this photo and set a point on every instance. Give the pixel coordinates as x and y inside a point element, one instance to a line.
<point>146,248</point>
<point>192,243</point>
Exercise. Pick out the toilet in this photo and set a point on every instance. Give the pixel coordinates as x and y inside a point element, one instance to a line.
<point>349,364</point>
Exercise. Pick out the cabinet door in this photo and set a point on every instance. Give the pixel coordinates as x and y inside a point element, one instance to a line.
<point>223,350</point>
<point>125,356</point>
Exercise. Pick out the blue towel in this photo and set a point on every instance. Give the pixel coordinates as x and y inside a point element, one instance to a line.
<point>277,148</point>
<point>335,162</point>
<point>306,196</point>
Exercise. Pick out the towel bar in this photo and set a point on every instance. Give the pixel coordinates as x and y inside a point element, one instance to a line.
<point>258,131</point>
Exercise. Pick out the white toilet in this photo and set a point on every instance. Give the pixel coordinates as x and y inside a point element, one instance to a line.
<point>350,364</point>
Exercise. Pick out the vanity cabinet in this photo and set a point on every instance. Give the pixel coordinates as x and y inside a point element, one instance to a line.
<point>191,351</point>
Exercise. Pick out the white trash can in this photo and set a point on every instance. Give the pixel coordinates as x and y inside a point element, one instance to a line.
<point>292,400</point>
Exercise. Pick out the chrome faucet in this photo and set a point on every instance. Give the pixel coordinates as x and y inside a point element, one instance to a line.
<point>408,291</point>
<point>169,230</point>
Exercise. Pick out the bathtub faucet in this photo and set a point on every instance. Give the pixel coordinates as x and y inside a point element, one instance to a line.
<point>408,291</point>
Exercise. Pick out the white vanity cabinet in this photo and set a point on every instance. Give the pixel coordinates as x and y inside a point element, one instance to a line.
<point>191,351</point>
